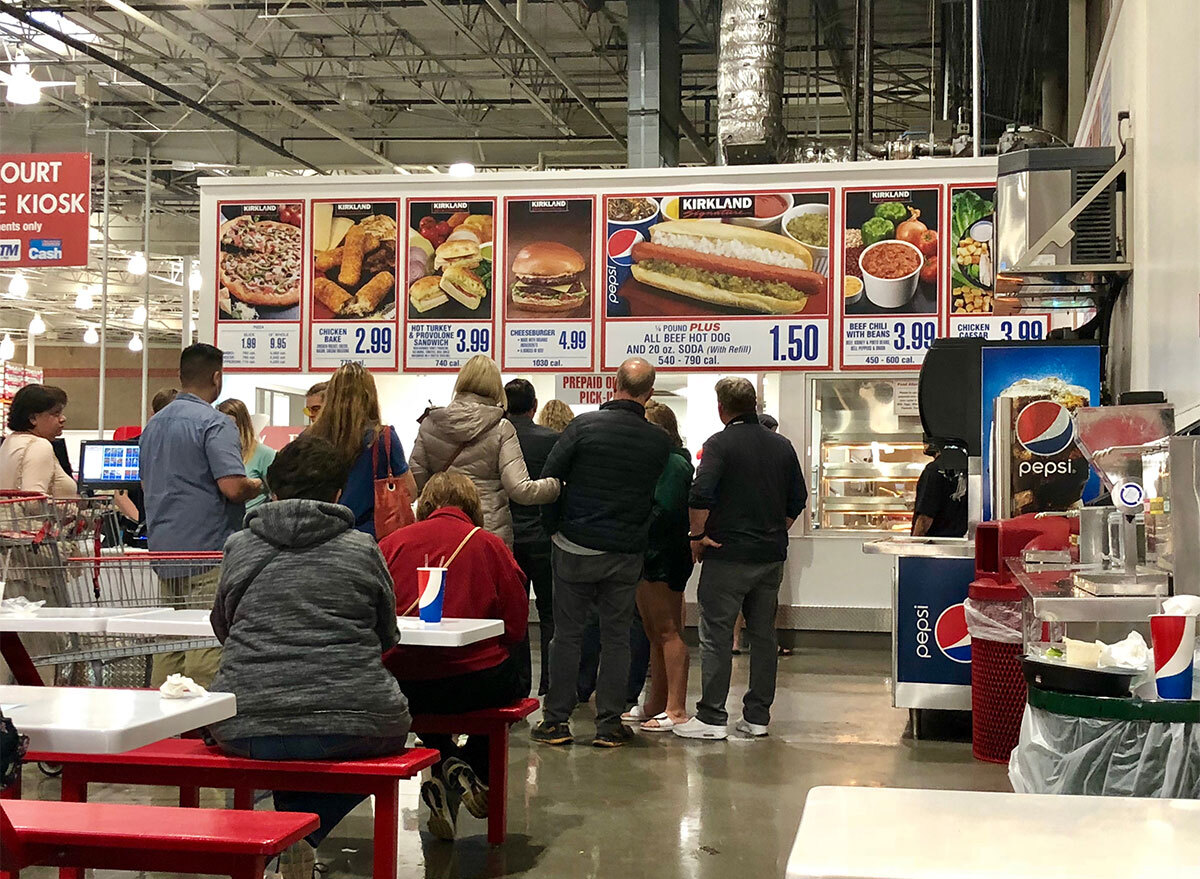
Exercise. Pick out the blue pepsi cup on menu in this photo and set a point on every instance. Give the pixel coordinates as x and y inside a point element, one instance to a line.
<point>431,593</point>
<point>628,223</point>
<point>1174,641</point>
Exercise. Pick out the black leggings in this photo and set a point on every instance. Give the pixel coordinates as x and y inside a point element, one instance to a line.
<point>492,687</point>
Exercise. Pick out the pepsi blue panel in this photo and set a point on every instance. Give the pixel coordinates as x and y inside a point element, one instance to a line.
<point>747,288</point>
<point>1031,458</point>
<point>933,647</point>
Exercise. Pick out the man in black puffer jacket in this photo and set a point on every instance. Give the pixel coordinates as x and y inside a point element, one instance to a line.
<point>609,462</point>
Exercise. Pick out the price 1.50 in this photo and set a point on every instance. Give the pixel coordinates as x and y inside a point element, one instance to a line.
<point>473,341</point>
<point>916,336</point>
<point>373,340</point>
<point>796,343</point>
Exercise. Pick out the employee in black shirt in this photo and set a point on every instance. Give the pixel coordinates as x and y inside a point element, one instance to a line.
<point>941,506</point>
<point>746,495</point>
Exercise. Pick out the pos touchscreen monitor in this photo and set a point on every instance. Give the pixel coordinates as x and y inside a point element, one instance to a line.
<point>109,464</point>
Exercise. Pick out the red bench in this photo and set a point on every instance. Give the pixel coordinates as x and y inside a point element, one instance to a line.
<point>190,765</point>
<point>493,723</point>
<point>144,838</point>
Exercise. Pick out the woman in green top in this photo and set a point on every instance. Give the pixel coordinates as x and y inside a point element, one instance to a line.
<point>256,456</point>
<point>660,594</point>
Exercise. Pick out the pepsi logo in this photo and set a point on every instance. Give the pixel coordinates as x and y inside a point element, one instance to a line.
<point>620,246</point>
<point>951,635</point>
<point>1045,428</point>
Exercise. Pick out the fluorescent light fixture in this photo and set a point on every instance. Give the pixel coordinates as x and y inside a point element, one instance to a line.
<point>90,336</point>
<point>135,343</point>
<point>193,325</point>
<point>461,169</point>
<point>95,234</point>
<point>400,169</point>
<point>195,279</point>
<point>83,299</point>
<point>18,287</point>
<point>37,326</point>
<point>137,264</point>
<point>139,315</point>
<point>22,87</point>
<point>7,349</point>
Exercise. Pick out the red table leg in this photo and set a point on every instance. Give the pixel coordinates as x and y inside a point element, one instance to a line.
<point>74,790</point>
<point>189,797</point>
<point>387,830</point>
<point>17,657</point>
<point>243,799</point>
<point>498,785</point>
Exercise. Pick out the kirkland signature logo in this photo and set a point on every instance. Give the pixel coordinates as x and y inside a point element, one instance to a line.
<point>46,248</point>
<point>10,249</point>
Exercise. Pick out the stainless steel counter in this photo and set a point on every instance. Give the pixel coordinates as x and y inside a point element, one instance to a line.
<point>924,547</point>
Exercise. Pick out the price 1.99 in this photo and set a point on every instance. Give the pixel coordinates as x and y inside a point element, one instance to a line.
<point>915,336</point>
<point>476,340</point>
<point>799,344</point>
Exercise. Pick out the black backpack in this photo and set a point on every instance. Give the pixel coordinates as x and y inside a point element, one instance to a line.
<point>12,750</point>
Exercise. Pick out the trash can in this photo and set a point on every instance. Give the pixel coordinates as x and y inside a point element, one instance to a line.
<point>997,683</point>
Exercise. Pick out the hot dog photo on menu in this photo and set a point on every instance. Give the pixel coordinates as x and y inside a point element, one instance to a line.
<point>259,261</point>
<point>734,253</point>
<point>449,260</point>
<point>891,263</point>
<point>354,260</point>
<point>549,258</point>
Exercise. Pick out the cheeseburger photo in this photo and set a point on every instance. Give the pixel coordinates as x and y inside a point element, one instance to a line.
<point>734,266</point>
<point>548,278</point>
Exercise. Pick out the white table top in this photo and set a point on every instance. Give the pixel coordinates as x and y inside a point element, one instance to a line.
<point>66,619</point>
<point>881,833</point>
<point>85,720</point>
<point>413,632</point>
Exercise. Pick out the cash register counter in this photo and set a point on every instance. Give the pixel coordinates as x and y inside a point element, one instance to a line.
<point>931,649</point>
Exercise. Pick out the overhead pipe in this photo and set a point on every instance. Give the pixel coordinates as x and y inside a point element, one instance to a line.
<point>976,84</point>
<point>146,298</point>
<point>94,53</point>
<point>855,110</point>
<point>869,64</point>
<point>104,289</point>
<point>750,62</point>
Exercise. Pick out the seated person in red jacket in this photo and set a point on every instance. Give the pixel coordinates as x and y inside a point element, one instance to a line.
<point>483,581</point>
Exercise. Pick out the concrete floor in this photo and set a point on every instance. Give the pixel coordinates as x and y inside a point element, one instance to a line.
<point>664,807</point>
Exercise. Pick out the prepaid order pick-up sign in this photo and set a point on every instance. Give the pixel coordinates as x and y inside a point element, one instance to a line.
<point>45,199</point>
<point>718,280</point>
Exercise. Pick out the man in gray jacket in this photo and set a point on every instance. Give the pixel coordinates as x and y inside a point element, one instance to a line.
<point>305,610</point>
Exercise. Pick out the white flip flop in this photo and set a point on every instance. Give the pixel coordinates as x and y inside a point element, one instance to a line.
<point>635,715</point>
<point>665,724</point>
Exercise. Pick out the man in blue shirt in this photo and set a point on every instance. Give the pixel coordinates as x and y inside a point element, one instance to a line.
<point>196,487</point>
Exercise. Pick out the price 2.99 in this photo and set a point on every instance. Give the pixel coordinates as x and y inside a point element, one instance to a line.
<point>375,340</point>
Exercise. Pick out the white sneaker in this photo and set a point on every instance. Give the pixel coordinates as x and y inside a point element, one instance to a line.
<point>751,729</point>
<point>698,729</point>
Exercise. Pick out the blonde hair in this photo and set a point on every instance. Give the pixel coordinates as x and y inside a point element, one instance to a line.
<point>555,415</point>
<point>450,489</point>
<point>480,375</point>
<point>237,410</point>
<point>351,411</point>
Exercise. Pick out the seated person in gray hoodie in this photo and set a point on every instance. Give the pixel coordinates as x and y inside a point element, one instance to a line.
<point>305,610</point>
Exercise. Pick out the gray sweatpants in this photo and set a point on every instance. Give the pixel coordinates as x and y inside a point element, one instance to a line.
<point>725,589</point>
<point>609,582</point>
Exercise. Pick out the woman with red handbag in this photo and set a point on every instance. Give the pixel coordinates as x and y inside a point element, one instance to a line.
<point>380,489</point>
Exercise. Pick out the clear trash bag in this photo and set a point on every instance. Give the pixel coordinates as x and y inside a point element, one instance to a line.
<point>997,621</point>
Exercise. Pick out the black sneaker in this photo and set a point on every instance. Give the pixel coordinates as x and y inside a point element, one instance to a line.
<point>613,738</point>
<point>552,733</point>
<point>462,780</point>
<point>443,809</point>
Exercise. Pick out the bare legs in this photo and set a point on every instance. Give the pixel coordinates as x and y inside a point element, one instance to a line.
<point>662,613</point>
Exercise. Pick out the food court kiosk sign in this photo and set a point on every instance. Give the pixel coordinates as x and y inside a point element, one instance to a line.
<point>45,199</point>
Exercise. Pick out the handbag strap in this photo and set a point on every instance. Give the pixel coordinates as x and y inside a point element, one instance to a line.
<point>384,438</point>
<point>462,447</point>
<point>449,561</point>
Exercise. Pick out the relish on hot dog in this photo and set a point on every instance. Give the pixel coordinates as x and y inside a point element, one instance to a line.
<point>729,265</point>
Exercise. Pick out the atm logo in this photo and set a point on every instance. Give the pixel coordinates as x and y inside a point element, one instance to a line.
<point>1045,428</point>
<point>10,249</point>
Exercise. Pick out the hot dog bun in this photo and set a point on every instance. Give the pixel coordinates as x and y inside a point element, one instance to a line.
<point>725,239</point>
<point>708,293</point>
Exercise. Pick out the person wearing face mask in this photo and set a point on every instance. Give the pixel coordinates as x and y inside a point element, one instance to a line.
<point>27,459</point>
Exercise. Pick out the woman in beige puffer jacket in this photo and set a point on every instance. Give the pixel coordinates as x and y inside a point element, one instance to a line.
<point>472,435</point>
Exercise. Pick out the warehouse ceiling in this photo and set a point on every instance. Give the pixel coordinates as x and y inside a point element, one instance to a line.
<point>306,87</point>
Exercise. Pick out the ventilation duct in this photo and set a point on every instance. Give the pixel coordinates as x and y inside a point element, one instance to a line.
<point>750,82</point>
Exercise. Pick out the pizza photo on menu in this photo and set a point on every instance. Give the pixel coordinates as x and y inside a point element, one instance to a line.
<point>260,255</point>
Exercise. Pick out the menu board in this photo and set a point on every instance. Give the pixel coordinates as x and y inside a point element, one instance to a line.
<point>718,280</point>
<point>353,312</point>
<point>891,276</point>
<point>548,283</point>
<point>449,307</point>
<point>260,254</point>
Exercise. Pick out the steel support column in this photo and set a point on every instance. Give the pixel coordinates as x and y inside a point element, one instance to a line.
<point>654,76</point>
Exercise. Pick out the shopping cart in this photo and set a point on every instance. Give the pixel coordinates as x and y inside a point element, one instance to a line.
<point>51,550</point>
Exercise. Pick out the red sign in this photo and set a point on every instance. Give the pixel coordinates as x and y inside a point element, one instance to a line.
<point>45,201</point>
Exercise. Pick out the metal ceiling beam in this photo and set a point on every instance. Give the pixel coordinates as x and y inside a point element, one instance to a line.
<point>249,81</point>
<point>87,49</point>
<point>835,47</point>
<point>510,21</point>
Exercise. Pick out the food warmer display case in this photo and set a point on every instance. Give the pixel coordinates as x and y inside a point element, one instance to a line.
<point>868,454</point>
